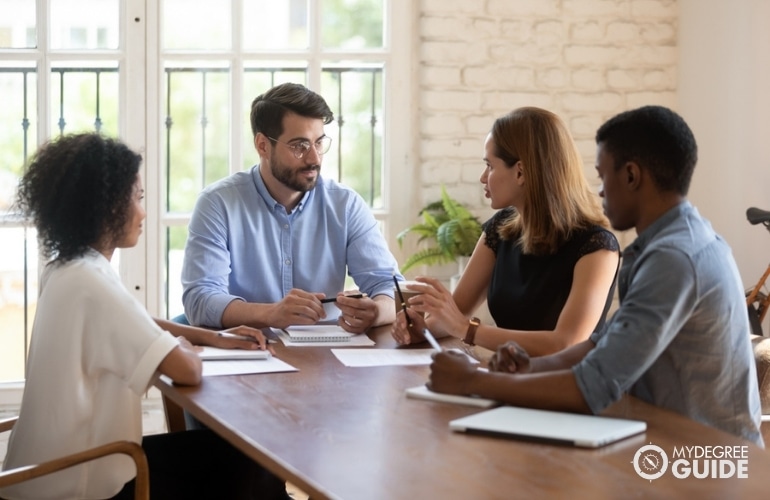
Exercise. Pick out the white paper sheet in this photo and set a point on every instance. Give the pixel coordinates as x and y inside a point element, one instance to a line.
<point>387,357</point>
<point>246,367</point>
<point>215,353</point>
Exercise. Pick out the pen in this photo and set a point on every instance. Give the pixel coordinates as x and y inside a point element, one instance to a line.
<point>352,296</point>
<point>431,339</point>
<point>409,321</point>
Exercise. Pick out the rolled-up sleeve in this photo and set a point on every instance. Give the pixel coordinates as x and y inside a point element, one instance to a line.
<point>661,297</point>
<point>370,262</point>
<point>206,268</point>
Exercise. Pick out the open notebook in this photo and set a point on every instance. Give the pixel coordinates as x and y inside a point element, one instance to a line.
<point>585,431</point>
<point>422,392</point>
<point>317,333</point>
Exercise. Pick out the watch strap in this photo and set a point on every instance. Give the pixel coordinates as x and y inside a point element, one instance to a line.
<point>470,335</point>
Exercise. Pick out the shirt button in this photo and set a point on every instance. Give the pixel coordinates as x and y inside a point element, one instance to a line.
<point>287,262</point>
<point>286,226</point>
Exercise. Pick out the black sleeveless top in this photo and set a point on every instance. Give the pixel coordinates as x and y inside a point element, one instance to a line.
<point>528,292</point>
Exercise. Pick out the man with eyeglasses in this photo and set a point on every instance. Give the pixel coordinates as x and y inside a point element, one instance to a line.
<point>266,245</point>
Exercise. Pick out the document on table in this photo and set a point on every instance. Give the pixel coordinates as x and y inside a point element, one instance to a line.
<point>246,367</point>
<point>422,392</point>
<point>215,353</point>
<point>385,357</point>
<point>359,340</point>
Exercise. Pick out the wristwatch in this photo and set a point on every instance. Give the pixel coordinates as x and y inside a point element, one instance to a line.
<point>473,325</point>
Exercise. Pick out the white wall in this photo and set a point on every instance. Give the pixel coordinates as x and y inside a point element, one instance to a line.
<point>585,60</point>
<point>724,94</point>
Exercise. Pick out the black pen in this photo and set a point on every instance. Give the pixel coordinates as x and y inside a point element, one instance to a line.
<point>409,321</point>
<point>352,296</point>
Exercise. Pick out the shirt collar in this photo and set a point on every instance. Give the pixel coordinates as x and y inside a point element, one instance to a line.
<point>259,183</point>
<point>664,220</point>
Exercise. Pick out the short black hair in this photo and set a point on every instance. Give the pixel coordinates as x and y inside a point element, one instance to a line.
<point>77,190</point>
<point>657,139</point>
<point>268,109</point>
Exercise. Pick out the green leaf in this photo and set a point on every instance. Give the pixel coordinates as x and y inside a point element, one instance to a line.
<point>450,224</point>
<point>428,257</point>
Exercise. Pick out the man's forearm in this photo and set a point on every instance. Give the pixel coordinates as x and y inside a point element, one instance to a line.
<point>562,360</point>
<point>554,390</point>
<point>239,313</point>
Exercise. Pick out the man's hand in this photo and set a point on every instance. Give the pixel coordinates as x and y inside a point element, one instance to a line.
<point>298,307</point>
<point>450,373</point>
<point>510,358</point>
<point>358,315</point>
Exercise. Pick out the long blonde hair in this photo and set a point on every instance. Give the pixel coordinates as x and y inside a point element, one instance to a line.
<point>557,198</point>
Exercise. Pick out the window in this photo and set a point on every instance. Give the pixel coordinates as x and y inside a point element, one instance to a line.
<point>175,80</point>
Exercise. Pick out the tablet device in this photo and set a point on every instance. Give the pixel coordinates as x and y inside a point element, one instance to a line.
<point>585,431</point>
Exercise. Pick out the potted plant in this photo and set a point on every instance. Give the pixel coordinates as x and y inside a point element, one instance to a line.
<point>449,226</point>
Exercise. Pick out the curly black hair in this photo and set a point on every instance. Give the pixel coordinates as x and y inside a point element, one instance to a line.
<point>77,190</point>
<point>657,139</point>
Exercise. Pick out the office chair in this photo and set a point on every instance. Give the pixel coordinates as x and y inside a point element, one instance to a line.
<point>21,474</point>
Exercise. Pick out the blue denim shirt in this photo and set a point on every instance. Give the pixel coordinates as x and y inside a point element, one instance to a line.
<point>242,245</point>
<point>680,339</point>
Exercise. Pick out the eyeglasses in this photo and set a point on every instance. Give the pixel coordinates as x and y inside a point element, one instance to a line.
<point>301,148</point>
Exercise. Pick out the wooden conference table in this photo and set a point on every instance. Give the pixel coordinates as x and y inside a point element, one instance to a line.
<point>350,433</point>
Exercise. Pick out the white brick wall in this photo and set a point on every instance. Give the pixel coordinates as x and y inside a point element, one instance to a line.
<point>585,60</point>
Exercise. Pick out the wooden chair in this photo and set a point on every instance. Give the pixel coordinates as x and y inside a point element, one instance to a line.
<point>135,451</point>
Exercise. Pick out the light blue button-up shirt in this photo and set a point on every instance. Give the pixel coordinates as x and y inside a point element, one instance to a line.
<point>680,339</point>
<point>242,245</point>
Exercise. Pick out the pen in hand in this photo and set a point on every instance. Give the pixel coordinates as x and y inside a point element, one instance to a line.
<point>334,299</point>
<point>409,321</point>
<point>431,339</point>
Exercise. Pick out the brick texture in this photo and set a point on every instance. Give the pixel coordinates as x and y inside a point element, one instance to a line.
<point>585,60</point>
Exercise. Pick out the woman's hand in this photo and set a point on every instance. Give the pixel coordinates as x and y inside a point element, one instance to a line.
<point>442,315</point>
<point>241,337</point>
<point>404,334</point>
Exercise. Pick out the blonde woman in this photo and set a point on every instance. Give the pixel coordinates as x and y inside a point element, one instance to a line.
<point>546,261</point>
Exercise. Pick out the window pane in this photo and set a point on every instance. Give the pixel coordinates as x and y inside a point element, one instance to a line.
<point>257,79</point>
<point>196,24</point>
<point>354,93</point>
<point>352,24</point>
<point>268,24</point>
<point>176,238</point>
<point>197,138</point>
<point>18,297</point>
<point>17,125</point>
<point>84,24</point>
<point>84,97</point>
<point>17,31</point>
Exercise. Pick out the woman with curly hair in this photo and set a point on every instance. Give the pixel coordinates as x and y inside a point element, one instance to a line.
<point>546,261</point>
<point>94,349</point>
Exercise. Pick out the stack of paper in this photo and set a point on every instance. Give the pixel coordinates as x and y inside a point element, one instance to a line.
<point>240,362</point>
<point>321,335</point>
<point>215,353</point>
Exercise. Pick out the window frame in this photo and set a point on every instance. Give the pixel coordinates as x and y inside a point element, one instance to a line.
<point>398,133</point>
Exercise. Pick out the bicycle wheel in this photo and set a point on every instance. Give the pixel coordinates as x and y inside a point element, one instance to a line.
<point>755,311</point>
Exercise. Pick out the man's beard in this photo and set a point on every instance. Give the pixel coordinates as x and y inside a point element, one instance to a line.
<point>291,178</point>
